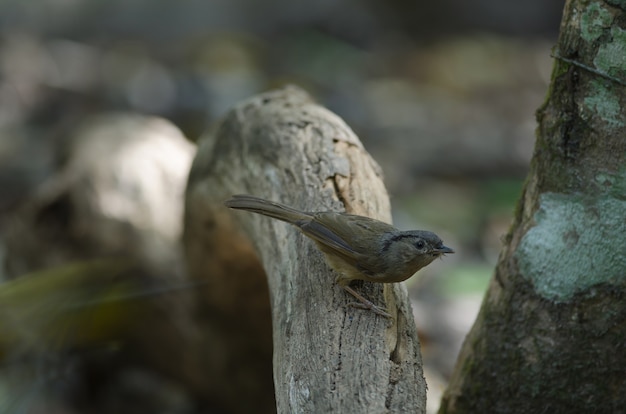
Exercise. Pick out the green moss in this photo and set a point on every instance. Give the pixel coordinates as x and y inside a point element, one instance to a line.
<point>594,20</point>
<point>611,56</point>
<point>577,243</point>
<point>559,68</point>
<point>604,101</point>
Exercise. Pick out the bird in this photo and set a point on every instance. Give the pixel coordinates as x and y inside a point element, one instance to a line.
<point>356,247</point>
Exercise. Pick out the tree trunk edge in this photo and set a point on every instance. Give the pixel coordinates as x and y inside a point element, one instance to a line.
<point>327,357</point>
<point>545,338</point>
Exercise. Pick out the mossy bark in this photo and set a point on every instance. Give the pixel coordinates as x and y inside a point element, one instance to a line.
<point>551,332</point>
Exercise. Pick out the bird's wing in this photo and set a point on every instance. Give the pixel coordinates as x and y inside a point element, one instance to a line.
<point>326,237</point>
<point>351,235</point>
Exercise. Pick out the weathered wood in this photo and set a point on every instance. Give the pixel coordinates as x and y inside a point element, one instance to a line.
<point>550,335</point>
<point>327,356</point>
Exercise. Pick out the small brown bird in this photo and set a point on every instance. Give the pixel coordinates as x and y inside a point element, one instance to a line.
<point>357,247</point>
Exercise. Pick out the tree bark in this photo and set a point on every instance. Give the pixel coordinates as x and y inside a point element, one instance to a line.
<point>327,356</point>
<point>550,335</point>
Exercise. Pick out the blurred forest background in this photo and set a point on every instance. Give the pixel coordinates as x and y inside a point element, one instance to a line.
<point>442,94</point>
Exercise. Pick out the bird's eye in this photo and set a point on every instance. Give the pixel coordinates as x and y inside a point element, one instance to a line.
<point>420,244</point>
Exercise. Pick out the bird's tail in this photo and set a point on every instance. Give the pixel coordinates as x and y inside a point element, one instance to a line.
<point>267,208</point>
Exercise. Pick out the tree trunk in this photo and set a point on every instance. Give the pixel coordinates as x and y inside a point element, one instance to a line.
<point>551,334</point>
<point>327,356</point>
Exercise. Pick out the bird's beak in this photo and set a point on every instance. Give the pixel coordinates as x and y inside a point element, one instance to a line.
<point>443,250</point>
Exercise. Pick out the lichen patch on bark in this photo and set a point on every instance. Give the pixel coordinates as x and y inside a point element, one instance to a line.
<point>573,245</point>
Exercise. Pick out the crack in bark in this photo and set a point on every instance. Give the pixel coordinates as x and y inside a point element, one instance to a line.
<point>338,192</point>
<point>395,361</point>
<point>337,368</point>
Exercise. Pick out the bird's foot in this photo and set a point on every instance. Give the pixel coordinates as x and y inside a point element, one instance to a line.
<point>365,304</point>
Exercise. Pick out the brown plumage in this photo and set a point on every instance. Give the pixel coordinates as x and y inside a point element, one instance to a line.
<point>357,247</point>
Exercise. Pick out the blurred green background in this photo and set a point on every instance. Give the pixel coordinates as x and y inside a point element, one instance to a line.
<point>442,94</point>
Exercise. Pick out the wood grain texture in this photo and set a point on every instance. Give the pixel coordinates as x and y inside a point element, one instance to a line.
<point>327,356</point>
